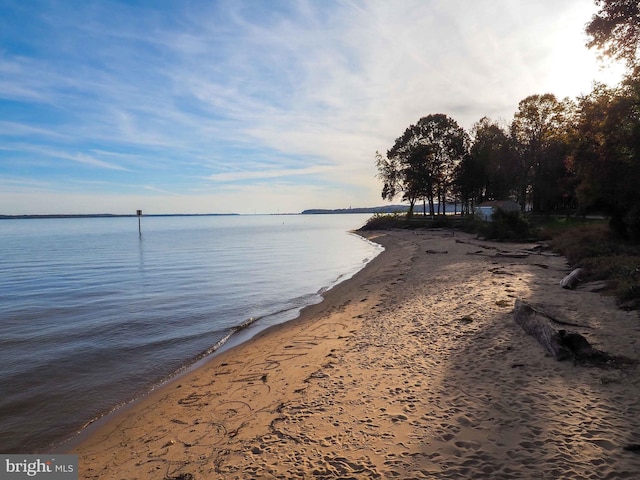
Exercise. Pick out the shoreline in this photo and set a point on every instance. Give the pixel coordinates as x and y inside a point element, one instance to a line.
<point>236,340</point>
<point>243,333</point>
<point>411,368</point>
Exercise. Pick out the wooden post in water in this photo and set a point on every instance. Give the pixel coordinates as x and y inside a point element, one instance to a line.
<point>139,213</point>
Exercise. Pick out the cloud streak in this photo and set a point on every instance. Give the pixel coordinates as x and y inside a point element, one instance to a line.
<point>265,174</point>
<point>211,96</point>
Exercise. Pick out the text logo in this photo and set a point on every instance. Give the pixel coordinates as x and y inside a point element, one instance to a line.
<point>44,467</point>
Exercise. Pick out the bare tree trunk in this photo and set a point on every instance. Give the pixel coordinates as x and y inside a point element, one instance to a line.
<point>412,202</point>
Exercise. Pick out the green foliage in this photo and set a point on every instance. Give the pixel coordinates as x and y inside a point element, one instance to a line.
<point>384,222</point>
<point>540,136</point>
<point>606,155</point>
<point>552,227</point>
<point>421,163</point>
<point>556,156</point>
<point>489,170</point>
<point>390,221</point>
<point>506,226</point>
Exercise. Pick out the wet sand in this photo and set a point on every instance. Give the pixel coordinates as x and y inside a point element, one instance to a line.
<point>414,368</point>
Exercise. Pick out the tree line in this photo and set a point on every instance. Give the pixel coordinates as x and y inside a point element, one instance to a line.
<point>556,155</point>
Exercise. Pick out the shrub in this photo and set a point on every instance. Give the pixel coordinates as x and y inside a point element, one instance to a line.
<point>583,242</point>
<point>471,224</point>
<point>506,226</point>
<point>604,256</point>
<point>632,222</point>
<point>384,222</point>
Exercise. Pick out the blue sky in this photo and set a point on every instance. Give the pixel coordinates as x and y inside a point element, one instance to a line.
<point>256,106</point>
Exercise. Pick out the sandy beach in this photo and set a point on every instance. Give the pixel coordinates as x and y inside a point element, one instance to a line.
<point>414,368</point>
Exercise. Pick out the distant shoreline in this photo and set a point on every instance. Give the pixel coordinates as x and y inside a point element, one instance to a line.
<point>114,215</point>
<point>316,211</point>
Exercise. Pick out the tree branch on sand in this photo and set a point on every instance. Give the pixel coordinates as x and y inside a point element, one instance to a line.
<point>562,344</point>
<point>571,281</point>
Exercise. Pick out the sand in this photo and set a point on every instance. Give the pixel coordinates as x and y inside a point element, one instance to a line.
<point>414,368</point>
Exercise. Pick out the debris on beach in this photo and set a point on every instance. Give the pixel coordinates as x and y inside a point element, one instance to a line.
<point>571,281</point>
<point>562,344</point>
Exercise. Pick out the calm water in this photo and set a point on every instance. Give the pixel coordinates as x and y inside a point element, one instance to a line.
<point>92,315</point>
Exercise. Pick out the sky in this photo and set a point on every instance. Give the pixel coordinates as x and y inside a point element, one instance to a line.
<point>257,106</point>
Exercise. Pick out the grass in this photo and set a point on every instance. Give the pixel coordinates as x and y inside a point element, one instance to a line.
<point>603,256</point>
<point>396,220</point>
<point>386,221</point>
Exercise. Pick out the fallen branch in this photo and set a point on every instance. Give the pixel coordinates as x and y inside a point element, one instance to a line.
<point>559,322</point>
<point>481,245</point>
<point>499,271</point>
<point>547,336</point>
<point>499,254</point>
<point>511,255</point>
<point>541,265</point>
<point>571,280</point>
<point>479,252</point>
<point>562,344</point>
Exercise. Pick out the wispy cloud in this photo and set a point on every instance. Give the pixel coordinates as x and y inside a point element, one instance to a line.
<point>264,174</point>
<point>186,97</point>
<point>43,153</point>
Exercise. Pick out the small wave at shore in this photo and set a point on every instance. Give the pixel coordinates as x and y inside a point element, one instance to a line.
<point>95,315</point>
<point>235,336</point>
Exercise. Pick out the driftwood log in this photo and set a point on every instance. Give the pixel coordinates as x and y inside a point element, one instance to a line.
<point>571,280</point>
<point>562,344</point>
<point>538,327</point>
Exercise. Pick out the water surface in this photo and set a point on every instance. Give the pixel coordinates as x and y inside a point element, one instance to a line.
<point>93,315</point>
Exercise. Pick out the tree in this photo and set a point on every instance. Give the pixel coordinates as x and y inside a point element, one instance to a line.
<point>606,156</point>
<point>401,169</point>
<point>539,132</point>
<point>491,149</point>
<point>447,144</point>
<point>421,163</point>
<point>470,182</point>
<point>615,30</point>
<point>389,173</point>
